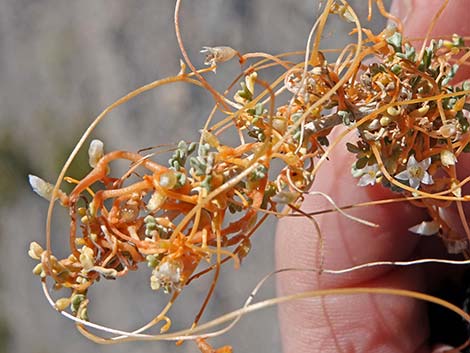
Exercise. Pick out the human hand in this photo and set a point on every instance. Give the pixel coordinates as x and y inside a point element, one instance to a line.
<point>362,323</point>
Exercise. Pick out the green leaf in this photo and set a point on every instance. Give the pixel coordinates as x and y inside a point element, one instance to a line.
<point>352,148</point>
<point>361,163</point>
<point>410,53</point>
<point>395,41</point>
<point>345,116</point>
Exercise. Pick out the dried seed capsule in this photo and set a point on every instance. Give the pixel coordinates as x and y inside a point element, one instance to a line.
<point>62,303</point>
<point>87,257</point>
<point>291,159</point>
<point>218,54</point>
<point>156,201</point>
<point>210,138</point>
<point>420,112</point>
<point>448,158</point>
<point>37,270</point>
<point>447,130</point>
<point>385,121</point>
<point>394,111</point>
<point>280,125</point>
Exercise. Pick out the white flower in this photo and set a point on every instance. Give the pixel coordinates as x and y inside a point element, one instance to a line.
<point>416,172</point>
<point>41,187</point>
<point>45,189</point>
<point>425,228</point>
<point>95,152</point>
<point>369,175</point>
<point>168,276</point>
<point>448,158</point>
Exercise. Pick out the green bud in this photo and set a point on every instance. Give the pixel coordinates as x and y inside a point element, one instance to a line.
<point>75,302</point>
<point>152,261</point>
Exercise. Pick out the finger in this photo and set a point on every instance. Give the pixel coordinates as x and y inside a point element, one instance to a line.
<point>344,321</point>
<point>454,19</point>
<point>419,13</point>
<point>350,323</point>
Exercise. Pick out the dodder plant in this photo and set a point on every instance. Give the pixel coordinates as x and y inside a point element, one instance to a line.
<point>410,126</point>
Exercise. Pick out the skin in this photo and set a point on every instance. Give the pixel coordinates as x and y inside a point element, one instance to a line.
<point>363,323</point>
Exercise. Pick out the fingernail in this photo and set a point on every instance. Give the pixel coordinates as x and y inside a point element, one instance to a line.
<point>397,9</point>
<point>455,239</point>
<point>444,348</point>
<point>402,9</point>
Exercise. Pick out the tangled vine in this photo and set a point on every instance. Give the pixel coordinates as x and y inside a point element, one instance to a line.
<point>411,126</point>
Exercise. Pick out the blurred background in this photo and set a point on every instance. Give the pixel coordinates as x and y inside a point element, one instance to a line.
<point>61,63</point>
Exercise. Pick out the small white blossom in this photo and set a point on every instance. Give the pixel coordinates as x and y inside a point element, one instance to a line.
<point>425,228</point>
<point>41,187</point>
<point>167,276</point>
<point>369,175</point>
<point>448,158</point>
<point>95,152</point>
<point>416,172</point>
<point>45,189</point>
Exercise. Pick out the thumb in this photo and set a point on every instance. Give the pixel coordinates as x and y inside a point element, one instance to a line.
<point>453,19</point>
<point>358,324</point>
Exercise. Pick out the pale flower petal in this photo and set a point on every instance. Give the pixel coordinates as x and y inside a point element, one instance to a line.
<point>425,163</point>
<point>366,179</point>
<point>368,175</point>
<point>414,182</point>
<point>411,161</point>
<point>425,228</point>
<point>427,179</point>
<point>404,175</point>
<point>415,172</point>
